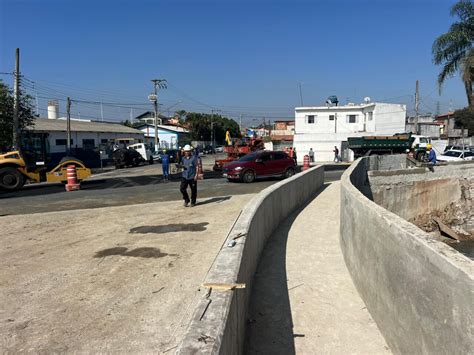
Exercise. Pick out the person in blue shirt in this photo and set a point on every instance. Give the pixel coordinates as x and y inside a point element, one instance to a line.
<point>189,178</point>
<point>165,165</point>
<point>431,156</point>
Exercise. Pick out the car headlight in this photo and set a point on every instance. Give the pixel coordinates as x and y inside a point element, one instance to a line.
<point>238,168</point>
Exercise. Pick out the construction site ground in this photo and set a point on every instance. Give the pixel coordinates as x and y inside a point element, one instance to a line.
<point>116,279</point>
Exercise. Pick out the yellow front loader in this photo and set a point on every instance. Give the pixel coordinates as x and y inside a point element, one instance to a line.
<point>15,170</point>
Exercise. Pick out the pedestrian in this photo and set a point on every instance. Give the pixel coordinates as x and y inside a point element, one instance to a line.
<point>165,165</point>
<point>336,155</point>
<point>294,156</point>
<point>431,157</point>
<point>189,176</point>
<point>311,155</point>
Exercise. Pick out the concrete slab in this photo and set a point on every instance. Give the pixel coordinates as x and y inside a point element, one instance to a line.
<point>117,279</point>
<point>303,300</point>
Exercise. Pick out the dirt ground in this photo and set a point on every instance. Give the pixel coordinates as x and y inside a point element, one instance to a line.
<point>117,279</point>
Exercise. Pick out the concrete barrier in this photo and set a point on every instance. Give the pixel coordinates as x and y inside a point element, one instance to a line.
<point>218,322</point>
<point>419,291</point>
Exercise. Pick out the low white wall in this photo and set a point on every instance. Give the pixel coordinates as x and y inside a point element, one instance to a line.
<point>221,315</point>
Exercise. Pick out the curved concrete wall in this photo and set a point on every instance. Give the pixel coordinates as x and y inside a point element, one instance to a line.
<point>419,291</point>
<point>218,323</point>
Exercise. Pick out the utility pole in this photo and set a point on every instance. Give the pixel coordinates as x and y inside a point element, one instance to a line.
<point>417,105</point>
<point>16,103</point>
<point>68,126</point>
<point>301,94</point>
<point>212,127</point>
<point>101,112</point>
<point>335,122</point>
<point>157,84</point>
<point>240,123</point>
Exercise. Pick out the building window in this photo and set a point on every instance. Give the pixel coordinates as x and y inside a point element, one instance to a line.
<point>331,117</point>
<point>62,141</point>
<point>371,116</point>
<point>311,118</point>
<point>352,119</point>
<point>88,144</point>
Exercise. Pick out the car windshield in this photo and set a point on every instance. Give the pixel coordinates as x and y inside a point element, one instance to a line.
<point>248,157</point>
<point>424,140</point>
<point>452,153</point>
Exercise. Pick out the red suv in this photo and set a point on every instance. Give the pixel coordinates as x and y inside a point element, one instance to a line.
<point>258,165</point>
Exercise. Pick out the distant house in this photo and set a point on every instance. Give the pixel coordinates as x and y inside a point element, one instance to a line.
<point>324,127</point>
<point>169,136</point>
<point>149,118</point>
<point>283,133</point>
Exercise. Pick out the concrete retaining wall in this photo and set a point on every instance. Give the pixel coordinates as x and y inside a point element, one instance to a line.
<point>419,291</point>
<point>409,193</point>
<point>218,323</point>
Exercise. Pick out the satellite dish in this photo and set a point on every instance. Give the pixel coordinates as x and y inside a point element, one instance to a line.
<point>366,99</point>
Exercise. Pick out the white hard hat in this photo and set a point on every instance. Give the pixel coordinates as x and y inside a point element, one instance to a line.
<point>187,148</point>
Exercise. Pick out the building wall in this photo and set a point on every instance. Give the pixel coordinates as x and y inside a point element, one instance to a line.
<point>77,139</point>
<point>324,134</point>
<point>168,140</point>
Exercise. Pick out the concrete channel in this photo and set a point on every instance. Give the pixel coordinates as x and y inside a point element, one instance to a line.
<point>418,289</point>
<point>218,323</point>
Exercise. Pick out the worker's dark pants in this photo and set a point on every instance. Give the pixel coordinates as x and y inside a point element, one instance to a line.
<point>183,188</point>
<point>166,171</point>
<point>311,158</point>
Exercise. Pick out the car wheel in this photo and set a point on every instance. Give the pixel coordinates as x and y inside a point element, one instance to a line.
<point>11,179</point>
<point>289,173</point>
<point>248,176</point>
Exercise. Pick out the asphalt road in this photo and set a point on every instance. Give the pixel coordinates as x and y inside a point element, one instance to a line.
<point>115,189</point>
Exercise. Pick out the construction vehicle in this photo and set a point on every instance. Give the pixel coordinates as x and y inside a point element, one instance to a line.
<point>239,148</point>
<point>396,144</point>
<point>16,168</point>
<point>380,145</point>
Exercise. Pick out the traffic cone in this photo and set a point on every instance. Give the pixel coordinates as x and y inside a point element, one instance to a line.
<point>72,184</point>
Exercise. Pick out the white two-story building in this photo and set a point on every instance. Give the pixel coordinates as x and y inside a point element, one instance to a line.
<point>324,127</point>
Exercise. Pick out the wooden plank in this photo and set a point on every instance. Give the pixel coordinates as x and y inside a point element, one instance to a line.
<point>219,286</point>
<point>446,230</point>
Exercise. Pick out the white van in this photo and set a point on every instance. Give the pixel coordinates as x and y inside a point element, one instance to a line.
<point>143,150</point>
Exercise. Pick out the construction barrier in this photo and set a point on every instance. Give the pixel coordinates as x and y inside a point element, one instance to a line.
<point>306,162</point>
<point>72,184</point>
<point>200,172</point>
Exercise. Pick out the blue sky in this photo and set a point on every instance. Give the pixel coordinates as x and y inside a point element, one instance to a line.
<point>235,56</point>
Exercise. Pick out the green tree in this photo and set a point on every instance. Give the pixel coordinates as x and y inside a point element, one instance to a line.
<point>26,115</point>
<point>200,127</point>
<point>453,49</point>
<point>465,118</point>
<point>126,123</point>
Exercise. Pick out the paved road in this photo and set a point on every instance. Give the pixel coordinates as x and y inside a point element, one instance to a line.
<point>123,187</point>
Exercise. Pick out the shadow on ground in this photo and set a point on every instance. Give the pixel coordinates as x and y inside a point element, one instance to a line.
<point>144,252</point>
<point>170,228</point>
<point>270,325</point>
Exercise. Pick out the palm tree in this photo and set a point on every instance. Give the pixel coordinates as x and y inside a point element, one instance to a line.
<point>453,49</point>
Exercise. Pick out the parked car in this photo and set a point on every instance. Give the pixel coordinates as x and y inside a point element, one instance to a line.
<point>258,165</point>
<point>171,153</point>
<point>456,155</point>
<point>208,149</point>
<point>219,149</point>
<point>452,147</point>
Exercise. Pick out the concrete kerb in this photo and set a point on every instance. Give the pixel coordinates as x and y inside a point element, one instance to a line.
<point>218,322</point>
<point>419,291</point>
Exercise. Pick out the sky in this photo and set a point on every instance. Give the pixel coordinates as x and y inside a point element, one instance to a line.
<point>235,57</point>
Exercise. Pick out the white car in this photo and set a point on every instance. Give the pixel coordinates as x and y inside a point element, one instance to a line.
<point>456,155</point>
<point>143,150</point>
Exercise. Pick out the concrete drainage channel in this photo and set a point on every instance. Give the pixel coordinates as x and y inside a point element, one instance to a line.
<point>218,323</point>
<point>418,290</point>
